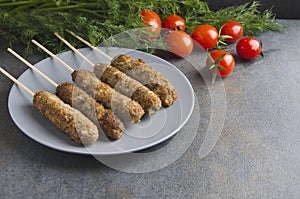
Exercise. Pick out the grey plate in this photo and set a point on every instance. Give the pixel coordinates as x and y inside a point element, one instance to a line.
<point>151,131</point>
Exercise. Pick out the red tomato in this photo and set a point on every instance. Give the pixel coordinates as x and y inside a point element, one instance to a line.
<point>180,43</point>
<point>151,18</point>
<point>232,28</point>
<point>224,66</point>
<point>174,22</point>
<point>249,48</point>
<point>206,36</point>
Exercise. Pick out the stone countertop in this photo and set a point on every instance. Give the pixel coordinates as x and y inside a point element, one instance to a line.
<point>256,155</point>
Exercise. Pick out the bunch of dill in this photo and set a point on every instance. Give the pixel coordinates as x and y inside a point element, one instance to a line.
<point>96,20</point>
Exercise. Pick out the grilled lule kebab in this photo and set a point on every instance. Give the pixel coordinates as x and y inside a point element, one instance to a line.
<point>129,111</point>
<point>61,115</point>
<point>148,76</point>
<point>149,101</point>
<point>122,83</point>
<point>111,126</point>
<point>142,72</point>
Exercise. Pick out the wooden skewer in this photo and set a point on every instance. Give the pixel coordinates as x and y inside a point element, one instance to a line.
<point>16,81</point>
<point>89,44</point>
<point>32,67</point>
<point>53,56</point>
<point>67,66</point>
<point>74,49</point>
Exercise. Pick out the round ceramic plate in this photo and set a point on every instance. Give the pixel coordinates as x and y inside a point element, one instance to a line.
<point>151,131</point>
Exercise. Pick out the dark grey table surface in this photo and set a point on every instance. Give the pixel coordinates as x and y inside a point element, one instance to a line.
<point>256,156</point>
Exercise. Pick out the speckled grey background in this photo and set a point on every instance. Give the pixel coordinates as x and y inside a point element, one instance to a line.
<point>257,155</point>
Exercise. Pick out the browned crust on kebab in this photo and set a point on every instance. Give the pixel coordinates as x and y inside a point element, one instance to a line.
<point>65,118</point>
<point>112,127</point>
<point>118,80</point>
<point>148,76</point>
<point>129,111</point>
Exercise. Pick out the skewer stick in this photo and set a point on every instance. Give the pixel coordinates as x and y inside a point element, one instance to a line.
<point>32,67</point>
<point>89,44</point>
<point>74,49</point>
<point>17,82</point>
<point>53,56</point>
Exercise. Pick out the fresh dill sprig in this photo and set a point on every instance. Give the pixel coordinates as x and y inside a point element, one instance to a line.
<point>253,21</point>
<point>97,20</point>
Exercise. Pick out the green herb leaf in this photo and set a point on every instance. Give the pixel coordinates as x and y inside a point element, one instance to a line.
<point>220,58</point>
<point>214,76</point>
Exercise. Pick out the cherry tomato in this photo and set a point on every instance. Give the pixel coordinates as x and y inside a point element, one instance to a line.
<point>206,36</point>
<point>249,48</point>
<point>232,28</point>
<point>174,22</point>
<point>151,18</point>
<point>225,66</point>
<point>179,43</point>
